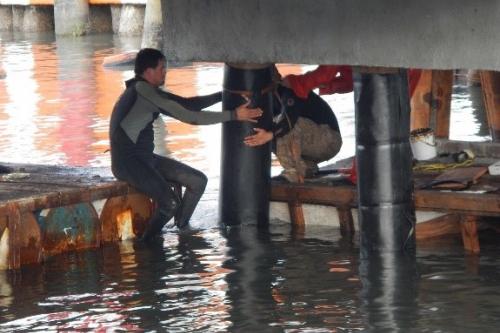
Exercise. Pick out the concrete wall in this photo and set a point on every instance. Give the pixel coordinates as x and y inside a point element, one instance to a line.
<point>440,34</point>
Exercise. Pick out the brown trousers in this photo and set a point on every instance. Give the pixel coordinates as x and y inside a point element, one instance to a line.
<point>306,145</point>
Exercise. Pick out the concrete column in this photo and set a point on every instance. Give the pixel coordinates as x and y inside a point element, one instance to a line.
<point>100,19</point>
<point>5,18</point>
<point>17,18</point>
<point>384,162</point>
<point>71,17</point>
<point>116,12</point>
<point>152,35</point>
<point>131,20</point>
<point>38,19</point>
<point>245,172</point>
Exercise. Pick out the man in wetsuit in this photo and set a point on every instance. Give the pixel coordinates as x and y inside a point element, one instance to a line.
<point>131,140</point>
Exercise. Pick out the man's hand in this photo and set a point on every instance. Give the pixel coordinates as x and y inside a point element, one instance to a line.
<point>243,113</point>
<point>261,137</point>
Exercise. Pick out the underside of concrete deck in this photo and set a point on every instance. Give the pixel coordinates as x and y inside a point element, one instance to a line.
<point>447,34</point>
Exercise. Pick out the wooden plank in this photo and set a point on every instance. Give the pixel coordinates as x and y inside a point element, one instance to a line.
<point>469,233</point>
<point>337,196</point>
<point>486,204</point>
<point>481,149</point>
<point>475,204</point>
<point>440,226</point>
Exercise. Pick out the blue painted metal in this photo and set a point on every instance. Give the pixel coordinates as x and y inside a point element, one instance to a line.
<point>71,227</point>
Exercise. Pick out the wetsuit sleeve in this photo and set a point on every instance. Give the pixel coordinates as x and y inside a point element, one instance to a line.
<point>177,111</point>
<point>195,103</point>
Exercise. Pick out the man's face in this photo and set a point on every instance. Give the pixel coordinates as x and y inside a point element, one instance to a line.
<point>156,76</point>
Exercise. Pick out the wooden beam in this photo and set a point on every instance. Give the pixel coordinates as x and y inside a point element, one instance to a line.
<point>490,82</point>
<point>421,102</point>
<point>485,204</point>
<point>442,86</point>
<point>431,102</point>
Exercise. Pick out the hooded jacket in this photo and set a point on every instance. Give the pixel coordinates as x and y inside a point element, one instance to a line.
<point>288,107</point>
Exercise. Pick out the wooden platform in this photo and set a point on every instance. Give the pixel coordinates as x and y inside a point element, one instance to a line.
<point>49,210</point>
<point>463,208</point>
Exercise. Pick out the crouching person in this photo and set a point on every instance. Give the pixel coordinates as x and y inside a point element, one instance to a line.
<point>305,133</point>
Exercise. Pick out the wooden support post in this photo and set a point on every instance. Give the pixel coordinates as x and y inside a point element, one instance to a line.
<point>490,82</point>
<point>346,221</point>
<point>297,216</point>
<point>431,102</point>
<point>469,233</point>
<point>421,102</point>
<point>442,86</point>
<point>295,207</point>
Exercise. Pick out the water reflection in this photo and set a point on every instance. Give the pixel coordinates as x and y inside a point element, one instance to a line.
<point>389,291</point>
<point>245,280</point>
<point>253,257</point>
<point>468,115</point>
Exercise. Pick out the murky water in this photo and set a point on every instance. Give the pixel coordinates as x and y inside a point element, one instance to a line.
<point>55,104</point>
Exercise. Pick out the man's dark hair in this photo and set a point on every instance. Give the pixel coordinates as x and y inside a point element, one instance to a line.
<point>147,58</point>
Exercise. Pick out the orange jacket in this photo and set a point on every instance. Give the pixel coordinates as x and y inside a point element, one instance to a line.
<point>328,78</point>
<point>331,79</point>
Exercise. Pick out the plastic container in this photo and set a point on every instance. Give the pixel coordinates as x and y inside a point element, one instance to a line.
<point>423,144</point>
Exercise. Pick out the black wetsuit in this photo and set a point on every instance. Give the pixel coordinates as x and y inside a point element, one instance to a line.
<point>132,157</point>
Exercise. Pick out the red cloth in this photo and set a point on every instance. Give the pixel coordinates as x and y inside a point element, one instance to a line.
<point>413,78</point>
<point>336,79</point>
<point>328,78</point>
